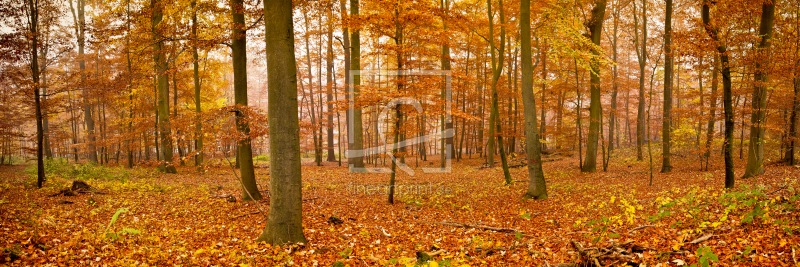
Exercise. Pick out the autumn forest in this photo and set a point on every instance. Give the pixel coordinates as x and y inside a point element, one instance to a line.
<point>399,133</point>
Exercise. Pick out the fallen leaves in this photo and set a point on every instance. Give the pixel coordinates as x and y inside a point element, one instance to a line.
<point>180,221</point>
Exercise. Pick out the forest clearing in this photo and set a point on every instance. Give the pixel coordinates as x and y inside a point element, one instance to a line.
<point>187,219</point>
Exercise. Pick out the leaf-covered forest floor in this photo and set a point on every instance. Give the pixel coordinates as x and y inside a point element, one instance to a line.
<point>466,217</point>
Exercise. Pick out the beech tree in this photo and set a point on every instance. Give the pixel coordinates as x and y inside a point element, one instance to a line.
<point>537,188</point>
<point>284,224</point>
<point>595,27</point>
<point>755,150</point>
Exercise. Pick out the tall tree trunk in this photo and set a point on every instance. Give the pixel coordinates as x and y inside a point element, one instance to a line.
<point>356,132</point>
<point>497,70</point>
<point>447,121</point>
<point>712,110</point>
<point>727,98</point>
<point>128,140</point>
<point>48,152</point>
<point>398,121</point>
<point>543,121</point>
<point>537,188</point>
<point>612,118</point>
<point>595,26</point>
<point>666,124</point>
<point>33,24</point>
<point>642,57</point>
<point>755,151</point>
<point>317,155</point>
<point>347,60</point>
<point>284,224</point>
<point>179,141</point>
<point>80,27</point>
<point>163,89</point>
<point>198,143</point>
<point>789,158</point>
<point>329,71</point>
<point>245,150</point>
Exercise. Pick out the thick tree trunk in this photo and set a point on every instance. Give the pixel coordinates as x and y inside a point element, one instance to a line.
<point>284,224</point>
<point>595,26</point>
<point>755,151</point>
<point>537,188</point>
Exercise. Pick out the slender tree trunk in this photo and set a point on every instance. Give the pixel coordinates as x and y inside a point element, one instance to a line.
<point>317,155</point>
<point>666,124</point>
<point>329,71</point>
<point>245,151</point>
<point>726,96</point>
<point>543,121</point>
<point>578,108</point>
<point>163,89</point>
<point>198,143</point>
<point>595,27</point>
<point>612,117</point>
<point>179,141</point>
<point>642,57</point>
<point>356,136</point>
<point>755,151</point>
<point>398,121</point>
<point>712,110</point>
<point>128,143</point>
<point>497,70</point>
<point>80,23</point>
<point>447,151</point>
<point>45,123</point>
<point>284,224</point>
<point>33,24</point>
<point>537,187</point>
<point>790,159</point>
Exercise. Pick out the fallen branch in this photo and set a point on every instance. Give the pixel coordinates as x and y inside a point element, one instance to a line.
<point>701,239</point>
<point>640,228</point>
<point>778,190</point>
<point>242,215</point>
<point>506,248</point>
<point>584,254</point>
<point>477,226</point>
